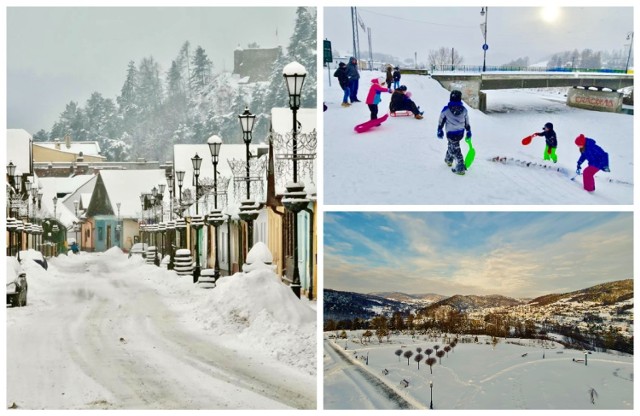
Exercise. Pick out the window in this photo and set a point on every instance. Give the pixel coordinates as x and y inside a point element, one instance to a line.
<point>100,234</point>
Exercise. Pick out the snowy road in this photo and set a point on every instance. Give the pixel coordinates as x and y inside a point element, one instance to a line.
<point>348,386</point>
<point>94,337</point>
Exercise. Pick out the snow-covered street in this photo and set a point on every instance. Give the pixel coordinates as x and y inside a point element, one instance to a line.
<point>102,331</point>
<point>402,161</point>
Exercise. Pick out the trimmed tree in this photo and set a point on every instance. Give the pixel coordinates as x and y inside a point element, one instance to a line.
<point>440,354</point>
<point>419,350</point>
<point>417,359</point>
<point>430,362</point>
<point>447,349</point>
<point>408,355</point>
<point>428,351</point>
<point>398,353</point>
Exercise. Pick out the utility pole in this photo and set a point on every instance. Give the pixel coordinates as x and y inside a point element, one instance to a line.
<point>354,29</point>
<point>370,50</point>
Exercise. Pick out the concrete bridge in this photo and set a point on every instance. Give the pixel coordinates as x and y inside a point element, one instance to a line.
<point>472,85</point>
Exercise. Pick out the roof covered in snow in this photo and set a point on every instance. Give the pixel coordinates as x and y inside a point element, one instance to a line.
<point>90,148</point>
<point>125,186</point>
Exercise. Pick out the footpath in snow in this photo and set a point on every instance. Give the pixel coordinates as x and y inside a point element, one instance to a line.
<point>402,161</point>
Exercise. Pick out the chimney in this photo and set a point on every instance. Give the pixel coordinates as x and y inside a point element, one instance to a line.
<point>67,140</point>
<point>80,157</point>
<point>57,144</point>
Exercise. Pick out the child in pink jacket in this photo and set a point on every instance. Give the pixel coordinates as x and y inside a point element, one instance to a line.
<point>373,98</point>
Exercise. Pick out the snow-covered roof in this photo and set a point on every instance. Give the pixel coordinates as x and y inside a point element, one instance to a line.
<point>125,186</point>
<point>52,187</point>
<point>19,149</point>
<point>87,148</point>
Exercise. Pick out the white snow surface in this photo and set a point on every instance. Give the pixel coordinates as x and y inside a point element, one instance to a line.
<point>473,376</point>
<point>402,161</point>
<point>103,331</point>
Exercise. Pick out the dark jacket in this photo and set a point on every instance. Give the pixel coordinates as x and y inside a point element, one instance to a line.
<point>399,102</point>
<point>594,155</point>
<point>396,75</point>
<point>549,137</point>
<point>341,74</point>
<point>352,69</point>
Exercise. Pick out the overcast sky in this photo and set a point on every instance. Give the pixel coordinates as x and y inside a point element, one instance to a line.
<point>55,55</point>
<point>512,32</point>
<point>521,254</point>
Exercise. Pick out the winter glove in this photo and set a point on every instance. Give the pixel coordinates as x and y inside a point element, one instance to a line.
<point>440,134</point>
<point>606,169</point>
<point>578,170</point>
<point>468,134</point>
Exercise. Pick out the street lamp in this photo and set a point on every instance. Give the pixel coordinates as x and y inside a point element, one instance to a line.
<point>76,205</point>
<point>248,212</point>
<point>196,222</point>
<point>118,226</point>
<point>180,176</point>
<point>629,37</point>
<point>484,12</point>
<point>431,387</point>
<point>215,217</point>
<point>55,206</point>
<point>295,197</point>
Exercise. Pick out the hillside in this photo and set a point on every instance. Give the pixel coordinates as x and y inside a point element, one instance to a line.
<point>604,294</point>
<point>467,303</point>
<point>424,299</point>
<point>349,305</point>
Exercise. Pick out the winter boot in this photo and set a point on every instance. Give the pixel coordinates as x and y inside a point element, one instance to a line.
<point>419,116</point>
<point>457,172</point>
<point>346,105</point>
<point>448,162</point>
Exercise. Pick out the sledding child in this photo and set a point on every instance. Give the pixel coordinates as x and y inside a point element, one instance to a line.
<point>551,142</point>
<point>400,101</point>
<point>343,79</point>
<point>373,98</point>
<point>598,160</point>
<point>455,119</point>
<point>396,78</point>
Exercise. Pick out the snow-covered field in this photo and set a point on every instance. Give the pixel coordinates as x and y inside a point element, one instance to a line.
<point>473,376</point>
<point>101,331</point>
<point>402,161</point>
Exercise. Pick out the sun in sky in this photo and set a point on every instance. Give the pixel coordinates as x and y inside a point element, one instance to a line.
<point>550,14</point>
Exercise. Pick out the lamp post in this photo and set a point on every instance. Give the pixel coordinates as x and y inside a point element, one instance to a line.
<point>55,206</point>
<point>629,37</point>
<point>294,199</point>
<point>55,230</point>
<point>180,176</point>
<point>431,387</point>
<point>215,217</point>
<point>196,161</point>
<point>248,212</point>
<point>76,205</point>
<point>118,226</point>
<point>141,217</point>
<point>170,187</point>
<point>484,12</point>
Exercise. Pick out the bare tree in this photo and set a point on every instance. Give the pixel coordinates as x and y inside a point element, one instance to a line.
<point>408,355</point>
<point>417,359</point>
<point>428,351</point>
<point>447,349</point>
<point>398,353</point>
<point>440,354</point>
<point>430,362</point>
<point>444,56</point>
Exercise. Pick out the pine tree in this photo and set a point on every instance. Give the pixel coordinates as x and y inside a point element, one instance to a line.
<point>201,70</point>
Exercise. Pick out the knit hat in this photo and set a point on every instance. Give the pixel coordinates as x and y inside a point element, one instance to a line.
<point>581,140</point>
<point>342,64</point>
<point>548,126</point>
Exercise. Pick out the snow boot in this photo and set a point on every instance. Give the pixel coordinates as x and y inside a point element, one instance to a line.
<point>419,116</point>
<point>346,105</point>
<point>448,162</point>
<point>457,172</point>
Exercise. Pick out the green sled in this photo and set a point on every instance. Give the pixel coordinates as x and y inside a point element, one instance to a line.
<point>471,154</point>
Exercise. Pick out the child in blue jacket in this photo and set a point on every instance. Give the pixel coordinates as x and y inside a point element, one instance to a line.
<point>597,158</point>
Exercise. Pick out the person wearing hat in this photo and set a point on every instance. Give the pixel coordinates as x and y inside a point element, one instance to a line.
<point>551,140</point>
<point>400,101</point>
<point>396,78</point>
<point>373,98</point>
<point>343,79</point>
<point>389,78</point>
<point>456,120</point>
<point>597,158</point>
<point>354,79</point>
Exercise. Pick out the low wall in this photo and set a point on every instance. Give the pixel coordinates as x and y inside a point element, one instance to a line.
<point>468,85</point>
<point>595,98</point>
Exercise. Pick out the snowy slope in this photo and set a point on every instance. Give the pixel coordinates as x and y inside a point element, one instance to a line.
<point>402,161</point>
<point>517,374</point>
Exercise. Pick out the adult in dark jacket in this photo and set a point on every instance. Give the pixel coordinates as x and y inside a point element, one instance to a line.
<point>597,158</point>
<point>396,77</point>
<point>400,101</point>
<point>343,79</point>
<point>354,79</point>
<point>389,78</point>
<point>551,142</point>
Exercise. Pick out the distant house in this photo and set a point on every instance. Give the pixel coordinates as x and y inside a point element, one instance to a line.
<point>67,150</point>
<point>122,187</point>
